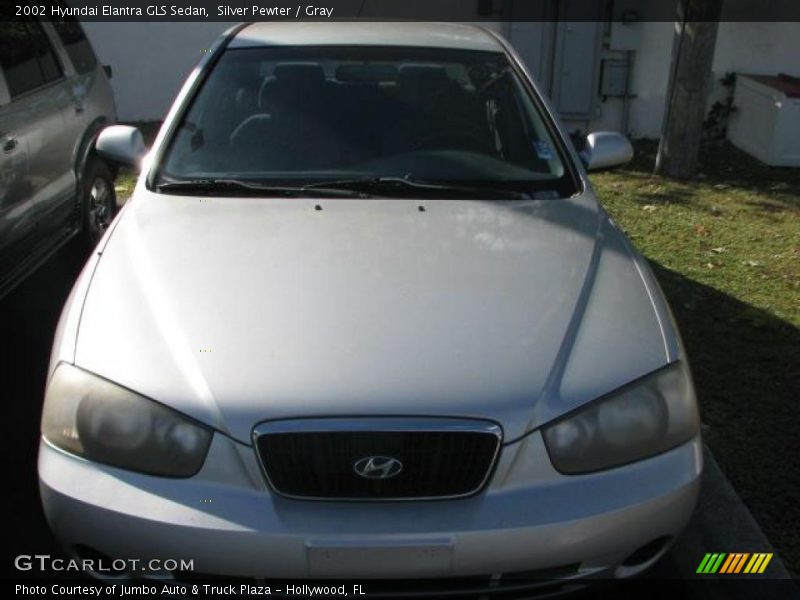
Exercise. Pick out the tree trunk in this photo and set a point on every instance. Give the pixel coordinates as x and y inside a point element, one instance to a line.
<point>690,75</point>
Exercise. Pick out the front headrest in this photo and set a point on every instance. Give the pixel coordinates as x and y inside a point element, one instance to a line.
<point>426,75</point>
<point>366,73</point>
<point>300,73</point>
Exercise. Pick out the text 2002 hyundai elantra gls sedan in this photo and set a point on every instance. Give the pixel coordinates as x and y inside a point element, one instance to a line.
<point>364,317</point>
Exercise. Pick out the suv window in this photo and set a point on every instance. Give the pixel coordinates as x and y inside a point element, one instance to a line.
<point>26,56</point>
<point>77,46</point>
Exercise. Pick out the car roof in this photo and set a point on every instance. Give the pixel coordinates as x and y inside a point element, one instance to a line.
<point>429,35</point>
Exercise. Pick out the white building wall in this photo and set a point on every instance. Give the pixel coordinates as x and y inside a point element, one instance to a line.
<point>649,80</point>
<point>151,61</point>
<point>761,48</point>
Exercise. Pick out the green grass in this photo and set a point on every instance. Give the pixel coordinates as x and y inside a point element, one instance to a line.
<point>742,241</point>
<point>726,250</point>
<point>123,186</point>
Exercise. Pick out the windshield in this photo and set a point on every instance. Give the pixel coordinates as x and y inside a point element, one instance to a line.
<point>299,116</point>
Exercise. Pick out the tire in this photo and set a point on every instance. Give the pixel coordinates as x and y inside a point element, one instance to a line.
<point>99,201</point>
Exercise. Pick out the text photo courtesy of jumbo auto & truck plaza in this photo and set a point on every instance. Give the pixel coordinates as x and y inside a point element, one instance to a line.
<point>178,590</point>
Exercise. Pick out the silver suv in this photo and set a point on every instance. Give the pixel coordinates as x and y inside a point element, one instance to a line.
<point>54,100</point>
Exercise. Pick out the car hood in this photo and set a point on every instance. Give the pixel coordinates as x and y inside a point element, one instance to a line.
<point>239,310</point>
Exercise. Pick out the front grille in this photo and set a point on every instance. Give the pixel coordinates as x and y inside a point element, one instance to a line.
<point>318,458</point>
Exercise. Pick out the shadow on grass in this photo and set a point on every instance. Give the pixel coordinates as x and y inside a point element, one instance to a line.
<point>745,366</point>
<point>725,166</point>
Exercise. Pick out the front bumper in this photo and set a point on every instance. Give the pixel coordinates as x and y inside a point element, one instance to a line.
<point>227,521</point>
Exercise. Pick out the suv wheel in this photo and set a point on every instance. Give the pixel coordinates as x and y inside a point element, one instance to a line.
<point>99,201</point>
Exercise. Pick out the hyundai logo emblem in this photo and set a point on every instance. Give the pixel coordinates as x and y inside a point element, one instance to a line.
<point>377,467</point>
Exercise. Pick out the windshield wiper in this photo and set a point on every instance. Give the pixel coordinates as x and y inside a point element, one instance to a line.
<point>440,188</point>
<point>365,187</point>
<point>209,186</point>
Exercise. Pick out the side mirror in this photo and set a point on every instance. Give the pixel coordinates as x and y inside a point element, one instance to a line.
<point>122,144</point>
<point>606,150</point>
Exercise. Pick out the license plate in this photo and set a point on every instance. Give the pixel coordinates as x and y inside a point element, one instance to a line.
<point>379,559</point>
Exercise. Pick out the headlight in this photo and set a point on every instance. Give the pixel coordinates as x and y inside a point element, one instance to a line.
<point>94,418</point>
<point>642,419</point>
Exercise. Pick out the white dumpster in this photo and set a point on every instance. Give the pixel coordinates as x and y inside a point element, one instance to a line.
<point>766,123</point>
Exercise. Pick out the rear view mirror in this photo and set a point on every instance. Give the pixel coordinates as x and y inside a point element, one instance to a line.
<point>606,150</point>
<point>122,144</point>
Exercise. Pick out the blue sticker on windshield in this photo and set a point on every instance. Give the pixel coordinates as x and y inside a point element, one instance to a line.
<point>542,150</point>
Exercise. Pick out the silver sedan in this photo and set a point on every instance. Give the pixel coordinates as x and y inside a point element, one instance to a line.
<point>364,317</point>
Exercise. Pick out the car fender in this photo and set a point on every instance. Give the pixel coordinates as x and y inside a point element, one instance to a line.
<point>66,335</point>
<point>84,151</point>
<point>85,148</point>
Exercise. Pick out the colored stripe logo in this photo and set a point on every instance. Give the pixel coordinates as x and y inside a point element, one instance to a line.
<point>734,562</point>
